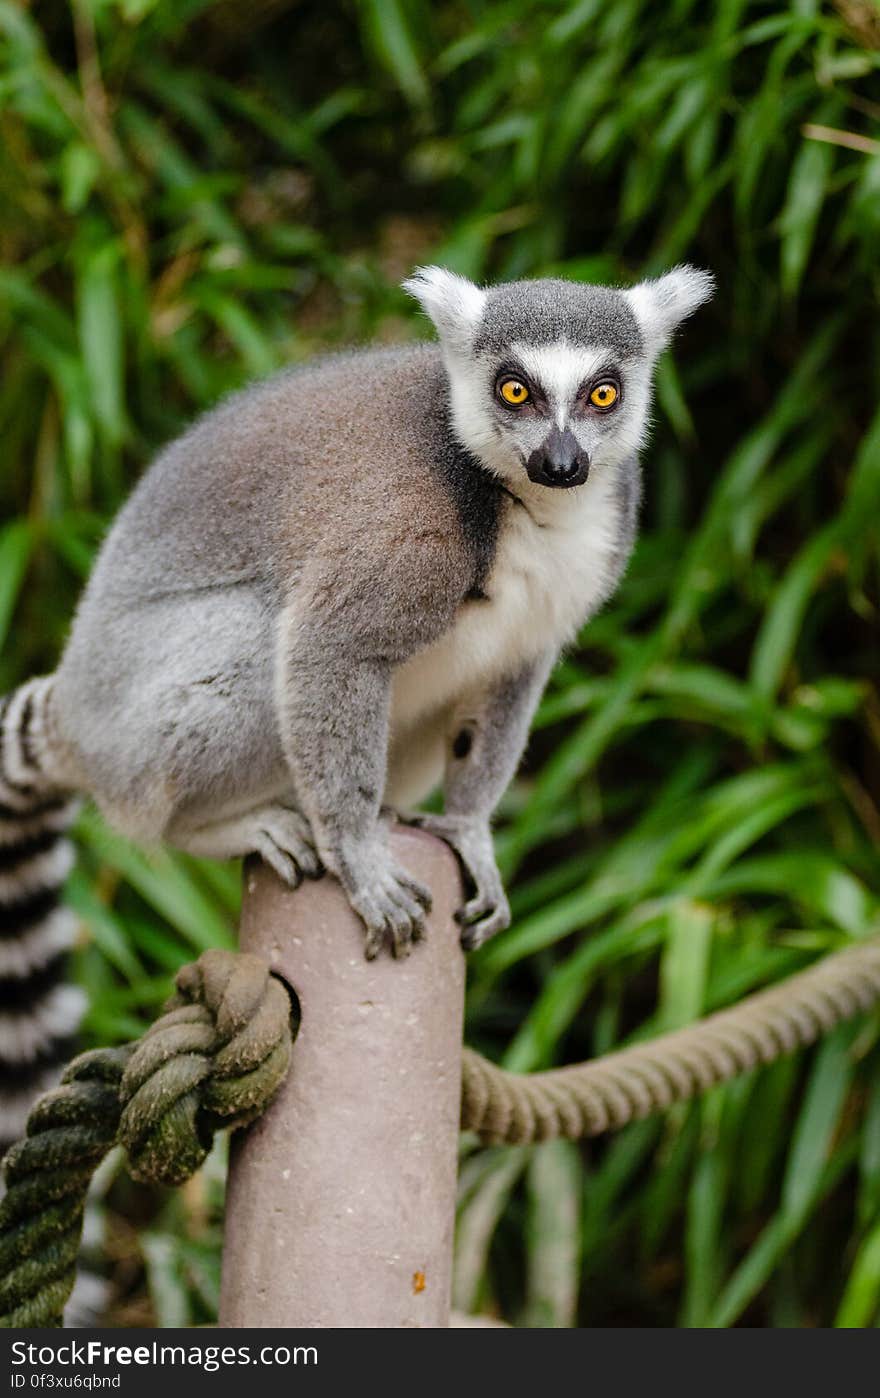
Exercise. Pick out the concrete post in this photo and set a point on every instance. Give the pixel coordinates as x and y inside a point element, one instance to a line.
<point>341,1199</point>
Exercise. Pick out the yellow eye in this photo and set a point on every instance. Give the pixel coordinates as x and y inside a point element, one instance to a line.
<point>514,392</point>
<point>604,395</point>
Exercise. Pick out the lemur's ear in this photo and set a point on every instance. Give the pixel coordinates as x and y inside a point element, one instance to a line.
<point>454,304</point>
<point>660,306</point>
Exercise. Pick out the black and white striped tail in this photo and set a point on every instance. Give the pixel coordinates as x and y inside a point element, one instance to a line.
<point>39,1012</point>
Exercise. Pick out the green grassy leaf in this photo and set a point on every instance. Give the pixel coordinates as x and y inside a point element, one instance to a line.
<point>554,1181</point>
<point>16,543</point>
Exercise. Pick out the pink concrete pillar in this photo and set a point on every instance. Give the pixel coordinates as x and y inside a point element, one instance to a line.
<point>341,1198</point>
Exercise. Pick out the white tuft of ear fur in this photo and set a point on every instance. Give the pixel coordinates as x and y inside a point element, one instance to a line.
<point>454,304</point>
<point>660,306</point>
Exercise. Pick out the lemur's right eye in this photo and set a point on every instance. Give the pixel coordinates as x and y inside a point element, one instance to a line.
<point>513,392</point>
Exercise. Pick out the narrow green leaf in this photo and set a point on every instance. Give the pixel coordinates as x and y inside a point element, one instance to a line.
<point>803,204</point>
<point>555,1184</point>
<point>16,543</point>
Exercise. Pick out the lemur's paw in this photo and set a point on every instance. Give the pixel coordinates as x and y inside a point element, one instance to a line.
<point>284,840</point>
<point>392,905</point>
<point>487,910</point>
<point>483,916</point>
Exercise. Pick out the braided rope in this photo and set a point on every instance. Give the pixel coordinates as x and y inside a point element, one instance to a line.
<point>219,1053</point>
<point>214,1059</point>
<point>47,1176</point>
<point>589,1098</point>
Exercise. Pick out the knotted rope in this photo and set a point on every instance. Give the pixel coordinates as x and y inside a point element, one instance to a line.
<point>223,1047</point>
<point>215,1059</point>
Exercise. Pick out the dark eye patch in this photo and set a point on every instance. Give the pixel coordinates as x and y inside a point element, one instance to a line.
<point>509,370</point>
<point>609,374</point>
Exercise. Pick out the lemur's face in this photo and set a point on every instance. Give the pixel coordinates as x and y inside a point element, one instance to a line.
<point>556,383</point>
<point>551,380</point>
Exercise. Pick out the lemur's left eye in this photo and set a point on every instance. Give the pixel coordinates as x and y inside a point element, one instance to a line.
<point>514,392</point>
<point>604,395</point>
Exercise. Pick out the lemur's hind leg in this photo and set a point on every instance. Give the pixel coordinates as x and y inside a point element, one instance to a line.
<point>281,836</point>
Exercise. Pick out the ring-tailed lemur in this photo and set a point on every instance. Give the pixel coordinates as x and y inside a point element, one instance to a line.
<point>336,589</point>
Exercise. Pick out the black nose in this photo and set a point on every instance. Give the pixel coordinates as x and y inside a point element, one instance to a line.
<point>561,472</point>
<point>559,462</point>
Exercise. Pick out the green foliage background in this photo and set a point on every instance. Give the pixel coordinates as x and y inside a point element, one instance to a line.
<point>193,192</point>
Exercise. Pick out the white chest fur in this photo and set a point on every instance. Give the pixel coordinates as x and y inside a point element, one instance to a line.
<point>551,572</point>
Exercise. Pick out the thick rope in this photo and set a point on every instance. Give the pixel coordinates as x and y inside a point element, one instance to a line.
<point>47,1177</point>
<point>220,1052</point>
<point>214,1059</point>
<point>589,1098</point>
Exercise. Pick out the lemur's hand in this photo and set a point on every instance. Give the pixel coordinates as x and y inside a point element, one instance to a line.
<point>391,904</point>
<point>487,910</point>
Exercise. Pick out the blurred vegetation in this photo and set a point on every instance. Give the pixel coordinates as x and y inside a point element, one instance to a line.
<point>193,192</point>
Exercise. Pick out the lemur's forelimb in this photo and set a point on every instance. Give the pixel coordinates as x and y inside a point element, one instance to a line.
<point>333,713</point>
<point>485,746</point>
